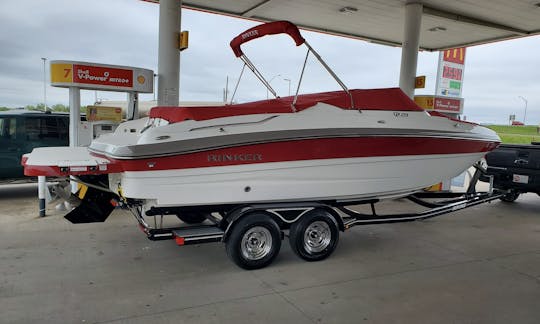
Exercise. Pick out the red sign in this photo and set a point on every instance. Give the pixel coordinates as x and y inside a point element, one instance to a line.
<point>447,104</point>
<point>102,76</point>
<point>452,73</point>
<point>455,55</point>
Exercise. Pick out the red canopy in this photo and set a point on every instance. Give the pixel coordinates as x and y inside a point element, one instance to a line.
<point>271,28</point>
<point>369,99</point>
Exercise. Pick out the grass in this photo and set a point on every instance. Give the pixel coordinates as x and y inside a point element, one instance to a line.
<point>517,134</point>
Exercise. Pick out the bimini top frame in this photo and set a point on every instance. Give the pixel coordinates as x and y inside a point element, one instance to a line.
<point>272,28</point>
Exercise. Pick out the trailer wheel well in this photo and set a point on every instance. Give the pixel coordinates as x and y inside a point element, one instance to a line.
<point>242,211</point>
<point>336,216</point>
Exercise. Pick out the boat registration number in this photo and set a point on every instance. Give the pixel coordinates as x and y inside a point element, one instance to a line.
<point>519,178</point>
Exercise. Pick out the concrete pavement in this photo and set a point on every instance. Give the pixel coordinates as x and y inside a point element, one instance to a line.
<point>479,265</point>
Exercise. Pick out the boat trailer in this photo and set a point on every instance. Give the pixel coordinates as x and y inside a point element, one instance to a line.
<point>196,234</point>
<point>253,233</point>
<point>312,227</point>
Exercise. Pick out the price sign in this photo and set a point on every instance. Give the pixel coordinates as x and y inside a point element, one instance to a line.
<point>440,103</point>
<point>450,72</point>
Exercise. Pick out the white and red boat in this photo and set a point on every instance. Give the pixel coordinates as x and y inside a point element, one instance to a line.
<point>334,146</point>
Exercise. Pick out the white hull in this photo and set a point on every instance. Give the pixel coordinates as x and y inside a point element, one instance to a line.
<point>329,179</point>
<point>321,153</point>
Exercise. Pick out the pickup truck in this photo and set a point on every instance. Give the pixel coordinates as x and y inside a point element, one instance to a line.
<point>515,168</point>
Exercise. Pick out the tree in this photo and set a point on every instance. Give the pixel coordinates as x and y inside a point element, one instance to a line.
<point>60,107</point>
<point>2,108</point>
<point>38,107</point>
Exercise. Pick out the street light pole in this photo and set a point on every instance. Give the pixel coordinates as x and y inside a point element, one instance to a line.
<point>288,80</point>
<point>272,78</point>
<point>525,115</point>
<point>44,83</point>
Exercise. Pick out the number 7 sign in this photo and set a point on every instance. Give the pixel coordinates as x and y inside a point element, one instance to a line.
<point>61,73</point>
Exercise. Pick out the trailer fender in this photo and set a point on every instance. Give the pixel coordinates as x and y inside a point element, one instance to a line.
<point>284,216</point>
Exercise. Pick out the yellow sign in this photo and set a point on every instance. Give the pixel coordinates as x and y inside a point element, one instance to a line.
<point>61,73</point>
<point>420,82</point>
<point>95,113</point>
<point>426,102</point>
<point>183,40</point>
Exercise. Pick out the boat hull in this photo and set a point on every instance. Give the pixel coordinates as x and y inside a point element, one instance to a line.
<point>338,168</point>
<point>321,153</point>
<point>308,180</point>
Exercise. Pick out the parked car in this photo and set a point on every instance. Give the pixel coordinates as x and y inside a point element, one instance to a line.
<point>23,130</point>
<point>515,168</point>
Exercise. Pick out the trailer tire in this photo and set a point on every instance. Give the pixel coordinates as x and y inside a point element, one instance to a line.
<point>192,217</point>
<point>254,241</point>
<point>315,235</point>
<point>511,196</point>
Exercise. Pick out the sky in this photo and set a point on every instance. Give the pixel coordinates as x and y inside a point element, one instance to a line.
<point>125,32</point>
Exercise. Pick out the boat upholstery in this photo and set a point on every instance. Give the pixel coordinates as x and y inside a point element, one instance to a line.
<point>364,99</point>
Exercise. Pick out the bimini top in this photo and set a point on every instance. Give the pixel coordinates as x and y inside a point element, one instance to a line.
<point>364,99</point>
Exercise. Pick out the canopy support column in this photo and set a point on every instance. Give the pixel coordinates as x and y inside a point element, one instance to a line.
<point>133,106</point>
<point>168,53</point>
<point>409,49</point>
<point>74,115</point>
<point>74,121</point>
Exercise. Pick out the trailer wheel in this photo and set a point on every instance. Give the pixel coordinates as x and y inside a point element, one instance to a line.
<point>511,196</point>
<point>192,217</point>
<point>254,241</point>
<point>315,235</point>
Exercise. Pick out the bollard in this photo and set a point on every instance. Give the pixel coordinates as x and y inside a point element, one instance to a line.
<point>42,186</point>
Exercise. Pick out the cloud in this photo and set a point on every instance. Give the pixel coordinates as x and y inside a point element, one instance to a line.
<point>125,32</point>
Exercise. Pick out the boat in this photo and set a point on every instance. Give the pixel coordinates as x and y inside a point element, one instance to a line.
<point>339,146</point>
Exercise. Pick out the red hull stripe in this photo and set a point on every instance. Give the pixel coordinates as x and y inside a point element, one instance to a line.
<point>314,149</point>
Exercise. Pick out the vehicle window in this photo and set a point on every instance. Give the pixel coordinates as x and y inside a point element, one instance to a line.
<point>8,129</point>
<point>31,129</point>
<point>41,128</point>
<point>63,127</point>
<point>49,128</point>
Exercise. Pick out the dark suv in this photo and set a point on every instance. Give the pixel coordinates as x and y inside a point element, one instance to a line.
<point>23,130</point>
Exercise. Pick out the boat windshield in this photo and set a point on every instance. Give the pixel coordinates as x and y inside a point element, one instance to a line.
<point>154,122</point>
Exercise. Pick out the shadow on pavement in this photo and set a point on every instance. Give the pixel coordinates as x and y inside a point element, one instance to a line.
<point>10,191</point>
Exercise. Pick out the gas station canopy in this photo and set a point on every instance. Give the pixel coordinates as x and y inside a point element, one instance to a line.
<point>445,23</point>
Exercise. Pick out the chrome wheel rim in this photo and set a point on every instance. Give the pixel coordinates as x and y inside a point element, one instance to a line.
<point>256,243</point>
<point>317,237</point>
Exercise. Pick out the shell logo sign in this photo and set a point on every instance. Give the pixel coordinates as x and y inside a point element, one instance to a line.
<point>101,77</point>
<point>455,55</point>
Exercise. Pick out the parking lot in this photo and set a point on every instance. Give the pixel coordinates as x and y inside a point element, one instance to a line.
<point>479,265</point>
